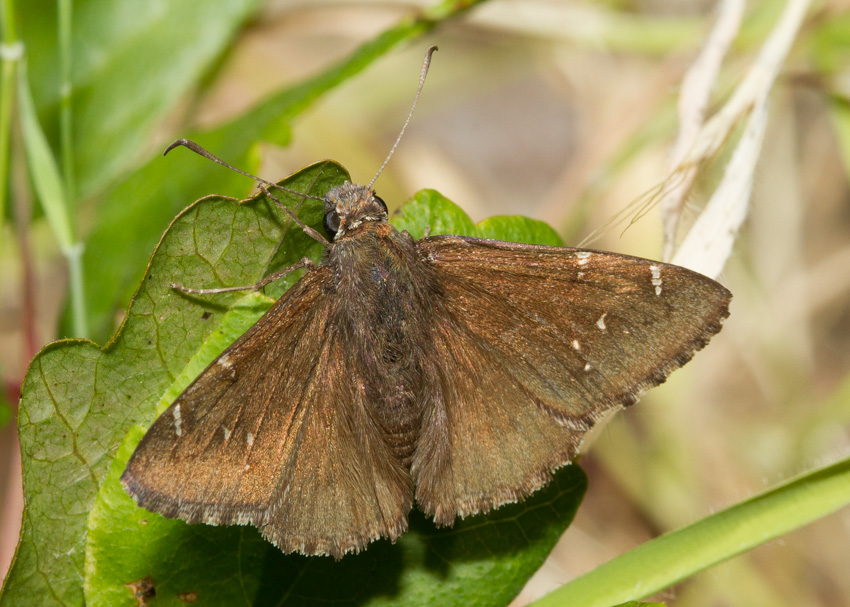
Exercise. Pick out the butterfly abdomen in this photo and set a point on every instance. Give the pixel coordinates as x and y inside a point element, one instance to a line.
<point>382,294</point>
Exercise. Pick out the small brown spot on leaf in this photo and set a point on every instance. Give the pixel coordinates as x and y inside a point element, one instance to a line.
<point>187,597</point>
<point>206,315</point>
<point>143,590</point>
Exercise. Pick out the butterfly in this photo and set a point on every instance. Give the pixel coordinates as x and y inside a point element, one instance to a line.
<point>454,372</point>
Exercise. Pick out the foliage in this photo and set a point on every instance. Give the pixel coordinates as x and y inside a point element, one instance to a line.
<point>134,65</point>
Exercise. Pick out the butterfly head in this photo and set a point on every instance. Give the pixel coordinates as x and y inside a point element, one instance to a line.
<point>349,206</point>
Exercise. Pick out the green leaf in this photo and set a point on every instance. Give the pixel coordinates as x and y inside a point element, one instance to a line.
<point>79,400</point>
<point>83,404</point>
<point>5,412</point>
<point>43,168</point>
<point>430,212</point>
<point>115,551</point>
<point>483,560</point>
<point>519,229</point>
<point>52,195</point>
<point>131,64</point>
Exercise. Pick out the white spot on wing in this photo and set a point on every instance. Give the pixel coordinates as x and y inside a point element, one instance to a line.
<point>583,256</point>
<point>576,345</point>
<point>178,421</point>
<point>601,322</point>
<point>656,278</point>
<point>250,439</point>
<point>226,433</point>
<point>587,367</point>
<point>224,361</point>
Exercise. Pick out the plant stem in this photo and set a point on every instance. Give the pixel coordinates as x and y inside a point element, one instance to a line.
<point>22,218</point>
<point>65,117</point>
<point>674,556</point>
<point>51,194</point>
<point>10,52</point>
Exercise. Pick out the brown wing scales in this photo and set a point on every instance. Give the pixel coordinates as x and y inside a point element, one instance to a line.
<point>510,352</point>
<point>301,466</point>
<point>535,344</point>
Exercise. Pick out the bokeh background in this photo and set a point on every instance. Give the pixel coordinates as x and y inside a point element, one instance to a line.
<point>563,111</point>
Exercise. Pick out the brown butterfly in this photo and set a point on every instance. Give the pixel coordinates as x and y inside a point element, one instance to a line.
<point>459,372</point>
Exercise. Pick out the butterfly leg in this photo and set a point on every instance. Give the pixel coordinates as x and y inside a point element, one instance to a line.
<point>307,229</point>
<point>306,262</point>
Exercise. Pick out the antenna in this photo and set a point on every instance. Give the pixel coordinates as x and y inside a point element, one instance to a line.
<point>425,65</point>
<point>264,185</point>
<point>188,143</point>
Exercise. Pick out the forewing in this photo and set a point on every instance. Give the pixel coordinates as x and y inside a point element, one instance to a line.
<point>535,345</point>
<point>275,433</point>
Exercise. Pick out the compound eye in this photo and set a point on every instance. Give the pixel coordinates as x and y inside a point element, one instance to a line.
<point>331,222</point>
<point>380,201</point>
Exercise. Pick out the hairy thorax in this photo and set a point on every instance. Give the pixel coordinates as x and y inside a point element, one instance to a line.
<point>381,285</point>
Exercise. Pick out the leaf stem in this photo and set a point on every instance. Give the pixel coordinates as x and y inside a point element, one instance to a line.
<point>674,556</point>
<point>65,117</point>
<point>52,196</point>
<point>10,53</point>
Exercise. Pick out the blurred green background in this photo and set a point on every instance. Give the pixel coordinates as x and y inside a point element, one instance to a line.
<point>562,111</point>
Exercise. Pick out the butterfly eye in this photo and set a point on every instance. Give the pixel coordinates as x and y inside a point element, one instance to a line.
<point>331,222</point>
<point>381,202</point>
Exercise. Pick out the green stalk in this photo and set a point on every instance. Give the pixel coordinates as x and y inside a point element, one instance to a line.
<point>65,8</point>
<point>10,52</point>
<point>51,193</point>
<point>674,556</point>
<point>447,9</point>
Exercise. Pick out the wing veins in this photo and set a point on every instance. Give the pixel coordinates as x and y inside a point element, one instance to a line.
<point>518,353</point>
<point>298,408</point>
